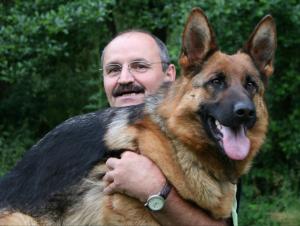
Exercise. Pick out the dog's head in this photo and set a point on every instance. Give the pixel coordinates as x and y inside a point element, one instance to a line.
<point>219,97</point>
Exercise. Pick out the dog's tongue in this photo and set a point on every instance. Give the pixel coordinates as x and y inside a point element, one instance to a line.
<point>236,144</point>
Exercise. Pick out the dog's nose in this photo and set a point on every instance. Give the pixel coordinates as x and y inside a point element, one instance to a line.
<point>244,111</point>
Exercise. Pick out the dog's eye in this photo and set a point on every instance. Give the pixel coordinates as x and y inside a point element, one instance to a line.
<point>251,86</point>
<point>219,81</point>
<point>216,81</point>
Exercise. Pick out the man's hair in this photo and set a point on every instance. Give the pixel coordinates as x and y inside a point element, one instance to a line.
<point>163,51</point>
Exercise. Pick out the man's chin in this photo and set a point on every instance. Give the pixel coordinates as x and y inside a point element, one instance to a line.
<point>127,100</point>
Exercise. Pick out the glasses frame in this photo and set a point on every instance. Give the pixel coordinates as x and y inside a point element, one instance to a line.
<point>129,67</point>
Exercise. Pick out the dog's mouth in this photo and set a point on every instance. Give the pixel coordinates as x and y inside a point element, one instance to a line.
<point>233,141</point>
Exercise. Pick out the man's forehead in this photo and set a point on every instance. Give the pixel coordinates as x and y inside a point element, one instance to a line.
<point>133,35</point>
<point>131,46</point>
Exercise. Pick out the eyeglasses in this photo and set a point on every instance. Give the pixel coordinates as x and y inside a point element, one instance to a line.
<point>134,67</point>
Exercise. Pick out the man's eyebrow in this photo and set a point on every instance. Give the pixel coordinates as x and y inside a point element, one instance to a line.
<point>139,59</point>
<point>133,60</point>
<point>113,63</point>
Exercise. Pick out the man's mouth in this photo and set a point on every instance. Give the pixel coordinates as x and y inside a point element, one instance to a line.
<point>233,141</point>
<point>126,90</point>
<point>128,94</point>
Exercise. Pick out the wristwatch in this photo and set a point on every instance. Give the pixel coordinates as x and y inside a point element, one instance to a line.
<point>157,202</point>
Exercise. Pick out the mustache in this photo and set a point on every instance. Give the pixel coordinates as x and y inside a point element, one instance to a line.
<point>127,88</point>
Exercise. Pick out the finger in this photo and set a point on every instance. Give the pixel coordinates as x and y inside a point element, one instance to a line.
<point>111,163</point>
<point>112,188</point>
<point>108,190</point>
<point>128,153</point>
<point>108,177</point>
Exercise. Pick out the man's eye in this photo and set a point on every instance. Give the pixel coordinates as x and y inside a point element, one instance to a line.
<point>139,66</point>
<point>113,69</point>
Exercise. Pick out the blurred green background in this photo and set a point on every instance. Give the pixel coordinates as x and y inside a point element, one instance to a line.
<point>49,61</point>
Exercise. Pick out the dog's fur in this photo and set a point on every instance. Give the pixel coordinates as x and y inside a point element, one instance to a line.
<point>59,180</point>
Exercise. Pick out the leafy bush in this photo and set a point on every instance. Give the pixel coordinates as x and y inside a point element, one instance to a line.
<point>13,143</point>
<point>49,52</point>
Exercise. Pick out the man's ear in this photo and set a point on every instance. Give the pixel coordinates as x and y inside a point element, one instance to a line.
<point>170,73</point>
<point>261,45</point>
<point>198,40</point>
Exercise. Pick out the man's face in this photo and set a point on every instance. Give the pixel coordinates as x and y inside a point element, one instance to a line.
<point>125,87</point>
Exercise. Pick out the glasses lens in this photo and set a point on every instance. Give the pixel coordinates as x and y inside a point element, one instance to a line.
<point>113,70</point>
<point>139,66</point>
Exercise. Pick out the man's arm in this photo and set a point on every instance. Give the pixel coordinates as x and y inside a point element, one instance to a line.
<point>179,212</point>
<point>138,177</point>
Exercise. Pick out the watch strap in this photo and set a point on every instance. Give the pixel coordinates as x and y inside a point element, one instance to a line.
<point>162,196</point>
<point>165,191</point>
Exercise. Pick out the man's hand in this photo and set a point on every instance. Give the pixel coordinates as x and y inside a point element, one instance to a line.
<point>134,175</point>
<point>137,176</point>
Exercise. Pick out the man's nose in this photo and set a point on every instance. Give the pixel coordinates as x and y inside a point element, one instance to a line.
<point>125,76</point>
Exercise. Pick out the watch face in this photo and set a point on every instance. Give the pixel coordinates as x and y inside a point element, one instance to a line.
<point>156,203</point>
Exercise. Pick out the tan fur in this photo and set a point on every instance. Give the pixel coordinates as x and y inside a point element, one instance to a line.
<point>123,137</point>
<point>16,219</point>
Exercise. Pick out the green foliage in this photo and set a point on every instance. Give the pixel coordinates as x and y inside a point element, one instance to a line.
<point>277,207</point>
<point>13,143</point>
<point>49,60</point>
<point>49,51</point>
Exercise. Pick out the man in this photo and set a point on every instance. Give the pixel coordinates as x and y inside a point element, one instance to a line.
<point>135,64</point>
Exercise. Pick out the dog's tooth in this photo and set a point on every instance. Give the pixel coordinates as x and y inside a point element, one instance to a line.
<point>218,124</point>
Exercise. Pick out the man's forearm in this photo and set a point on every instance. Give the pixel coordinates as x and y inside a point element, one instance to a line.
<point>124,177</point>
<point>179,212</point>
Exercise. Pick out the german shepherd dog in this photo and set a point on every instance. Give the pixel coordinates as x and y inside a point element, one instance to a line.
<point>202,131</point>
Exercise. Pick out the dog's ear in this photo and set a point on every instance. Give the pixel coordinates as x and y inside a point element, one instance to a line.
<point>198,40</point>
<point>261,45</point>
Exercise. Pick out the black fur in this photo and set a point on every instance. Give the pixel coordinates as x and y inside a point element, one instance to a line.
<point>48,171</point>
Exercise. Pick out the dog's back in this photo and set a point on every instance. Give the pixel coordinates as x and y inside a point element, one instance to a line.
<point>42,181</point>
